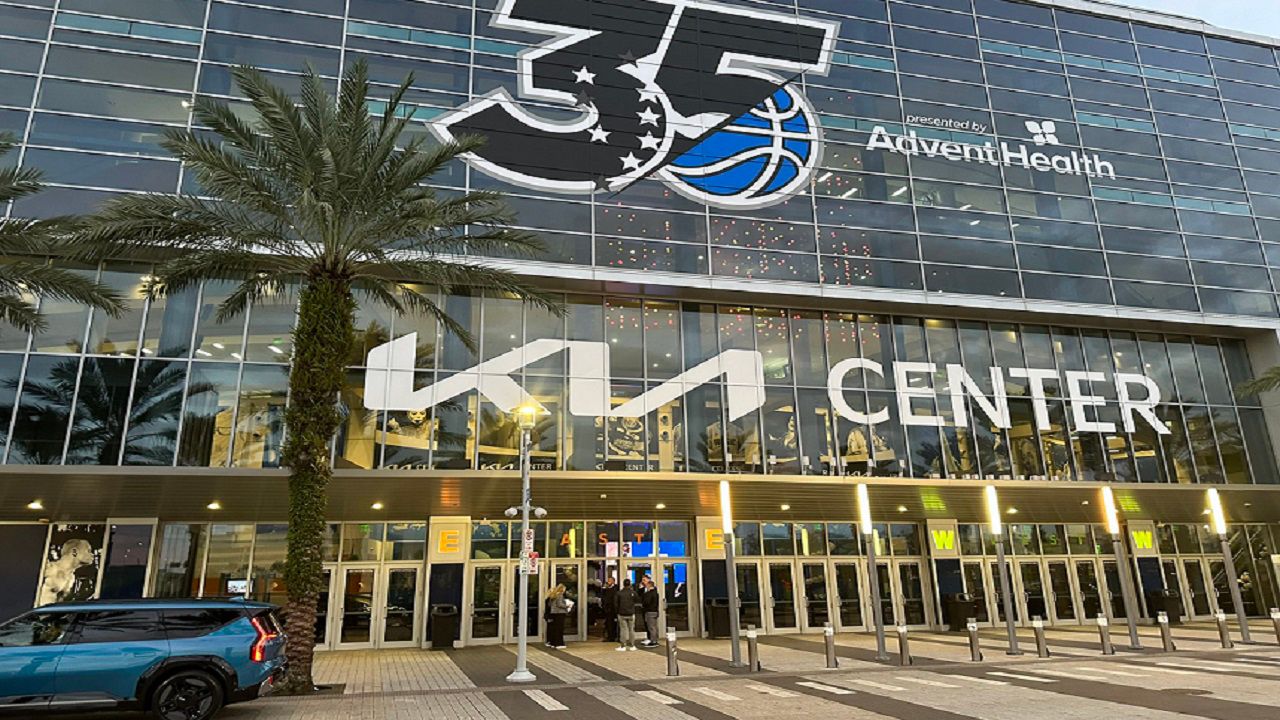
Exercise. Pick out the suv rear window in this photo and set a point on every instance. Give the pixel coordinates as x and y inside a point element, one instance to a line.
<point>194,622</point>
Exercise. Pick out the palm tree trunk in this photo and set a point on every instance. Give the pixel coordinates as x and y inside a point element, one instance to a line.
<point>321,343</point>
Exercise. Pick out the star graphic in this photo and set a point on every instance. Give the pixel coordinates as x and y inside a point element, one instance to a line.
<point>601,183</point>
<point>630,162</point>
<point>599,134</point>
<point>583,99</point>
<point>648,117</point>
<point>628,57</point>
<point>647,95</point>
<point>649,142</point>
<point>583,75</point>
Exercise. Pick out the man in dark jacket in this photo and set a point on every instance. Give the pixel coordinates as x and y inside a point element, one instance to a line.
<point>649,608</point>
<point>609,607</point>
<point>627,602</point>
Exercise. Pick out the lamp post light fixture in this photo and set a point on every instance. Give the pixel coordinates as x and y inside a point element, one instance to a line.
<point>1006,597</point>
<point>1228,563</point>
<point>873,579</point>
<point>1122,566</point>
<point>526,417</point>
<point>731,576</point>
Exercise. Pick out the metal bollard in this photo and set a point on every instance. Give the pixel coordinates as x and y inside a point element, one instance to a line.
<point>1166,635</point>
<point>753,649</point>
<point>904,648</point>
<point>975,649</point>
<point>673,663</point>
<point>829,635</point>
<point>1275,620</point>
<point>1104,634</point>
<point>1224,633</point>
<point>1042,645</point>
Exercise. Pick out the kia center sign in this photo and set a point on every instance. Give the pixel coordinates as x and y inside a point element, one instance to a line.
<point>389,386</point>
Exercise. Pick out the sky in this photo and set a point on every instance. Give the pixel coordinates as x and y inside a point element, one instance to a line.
<point>1256,16</point>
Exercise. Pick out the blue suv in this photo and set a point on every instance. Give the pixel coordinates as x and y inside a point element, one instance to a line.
<point>178,659</point>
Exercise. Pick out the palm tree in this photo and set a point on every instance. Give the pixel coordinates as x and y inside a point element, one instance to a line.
<point>24,243</point>
<point>1267,381</point>
<point>317,199</point>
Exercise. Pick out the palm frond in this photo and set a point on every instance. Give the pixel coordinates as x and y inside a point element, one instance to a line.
<point>1267,381</point>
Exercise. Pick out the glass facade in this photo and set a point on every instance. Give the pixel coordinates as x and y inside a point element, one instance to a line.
<point>1187,218</point>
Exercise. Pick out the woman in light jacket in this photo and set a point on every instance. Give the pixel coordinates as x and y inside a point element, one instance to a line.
<point>558,607</point>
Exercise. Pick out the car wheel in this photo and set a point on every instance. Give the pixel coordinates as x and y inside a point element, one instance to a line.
<point>187,695</point>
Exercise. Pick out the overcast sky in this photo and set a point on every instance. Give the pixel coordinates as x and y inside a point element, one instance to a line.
<point>1257,16</point>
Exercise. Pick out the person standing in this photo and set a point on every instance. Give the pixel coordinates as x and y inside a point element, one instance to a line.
<point>609,607</point>
<point>627,602</point>
<point>649,606</point>
<point>558,607</point>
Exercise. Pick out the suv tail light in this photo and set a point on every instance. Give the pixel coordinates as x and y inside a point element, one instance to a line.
<point>258,651</point>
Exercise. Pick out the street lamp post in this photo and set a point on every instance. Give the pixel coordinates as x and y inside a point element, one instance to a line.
<point>526,416</point>
<point>873,579</point>
<point>1122,567</point>
<point>1228,563</point>
<point>1006,597</point>
<point>731,576</point>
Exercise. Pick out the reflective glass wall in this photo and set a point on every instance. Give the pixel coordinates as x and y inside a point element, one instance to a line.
<point>1191,125</point>
<point>165,385</point>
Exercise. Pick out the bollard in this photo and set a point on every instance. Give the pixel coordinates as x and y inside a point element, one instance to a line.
<point>1166,635</point>
<point>975,649</point>
<point>829,634</point>
<point>1275,620</point>
<point>1104,634</point>
<point>904,648</point>
<point>1224,633</point>
<point>1042,645</point>
<point>753,649</point>
<point>673,664</point>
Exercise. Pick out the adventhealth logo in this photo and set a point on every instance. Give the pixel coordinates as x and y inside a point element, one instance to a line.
<point>1043,134</point>
<point>389,386</point>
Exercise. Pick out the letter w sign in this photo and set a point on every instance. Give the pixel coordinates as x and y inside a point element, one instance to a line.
<point>944,539</point>
<point>388,383</point>
<point>1143,540</point>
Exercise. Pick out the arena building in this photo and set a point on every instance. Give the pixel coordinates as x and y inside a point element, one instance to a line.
<point>927,245</point>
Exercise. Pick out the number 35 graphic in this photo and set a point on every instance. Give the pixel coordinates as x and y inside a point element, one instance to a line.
<point>695,93</point>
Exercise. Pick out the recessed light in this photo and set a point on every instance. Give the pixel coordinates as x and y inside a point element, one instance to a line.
<point>1206,511</point>
<point>902,508</point>
<point>35,505</point>
<point>215,505</point>
<point>1011,511</point>
<point>785,507</point>
<point>1084,502</point>
<point>376,506</point>
<point>604,495</point>
<point>661,506</point>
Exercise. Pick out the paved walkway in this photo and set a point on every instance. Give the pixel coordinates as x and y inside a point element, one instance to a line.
<point>592,680</point>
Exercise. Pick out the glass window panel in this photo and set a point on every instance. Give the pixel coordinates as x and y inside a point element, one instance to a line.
<point>259,423</point>
<point>605,539</point>
<point>40,429</point>
<point>568,539</point>
<point>216,340</point>
<point>227,568</point>
<point>406,541</point>
<point>102,402</point>
<point>844,539</point>
<point>811,539</point>
<point>208,415</point>
<point>746,538</point>
<point>905,539</point>
<point>269,546</point>
<point>357,436</point>
<point>180,560</point>
<point>489,540</point>
<point>362,542</point>
<point>778,539</point>
<point>673,539</point>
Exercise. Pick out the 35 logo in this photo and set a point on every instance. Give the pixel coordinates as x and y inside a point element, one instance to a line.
<point>695,93</point>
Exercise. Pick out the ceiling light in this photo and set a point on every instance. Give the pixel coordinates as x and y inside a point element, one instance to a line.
<point>603,495</point>
<point>275,349</point>
<point>35,505</point>
<point>661,506</point>
<point>220,346</point>
<point>203,353</point>
<point>1084,502</point>
<point>902,508</point>
<point>1011,511</point>
<point>899,191</point>
<point>785,507</point>
<point>215,505</point>
<point>376,506</point>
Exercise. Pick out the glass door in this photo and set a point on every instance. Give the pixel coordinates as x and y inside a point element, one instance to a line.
<point>536,595</point>
<point>1089,590</point>
<point>749,595</point>
<point>356,612</point>
<point>674,586</point>
<point>324,611</point>
<point>782,597</point>
<point>816,598</point>
<point>975,583</point>
<point>1034,604</point>
<point>848,597</point>
<point>888,604</point>
<point>483,621</point>
<point>1061,598</point>
<point>998,596</point>
<point>401,605</point>
<point>912,593</point>
<point>569,574</point>
<point>1197,591</point>
<point>1115,591</point>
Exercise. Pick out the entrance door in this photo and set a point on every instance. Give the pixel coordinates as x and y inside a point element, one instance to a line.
<point>998,596</point>
<point>324,613</point>
<point>483,623</point>
<point>673,583</point>
<point>783,598</point>
<point>569,574</point>
<point>911,589</point>
<point>1034,600</point>
<point>848,597</point>
<point>750,612</point>
<point>975,583</point>
<point>400,605</point>
<point>356,608</point>
<point>816,597</point>
<point>1115,591</point>
<point>536,594</point>
<point>1061,597</point>
<point>1197,589</point>
<point>1090,590</point>
<point>888,605</point>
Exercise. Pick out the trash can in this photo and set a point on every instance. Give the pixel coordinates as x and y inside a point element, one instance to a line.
<point>1167,601</point>
<point>959,607</point>
<point>444,626</point>
<point>717,614</point>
